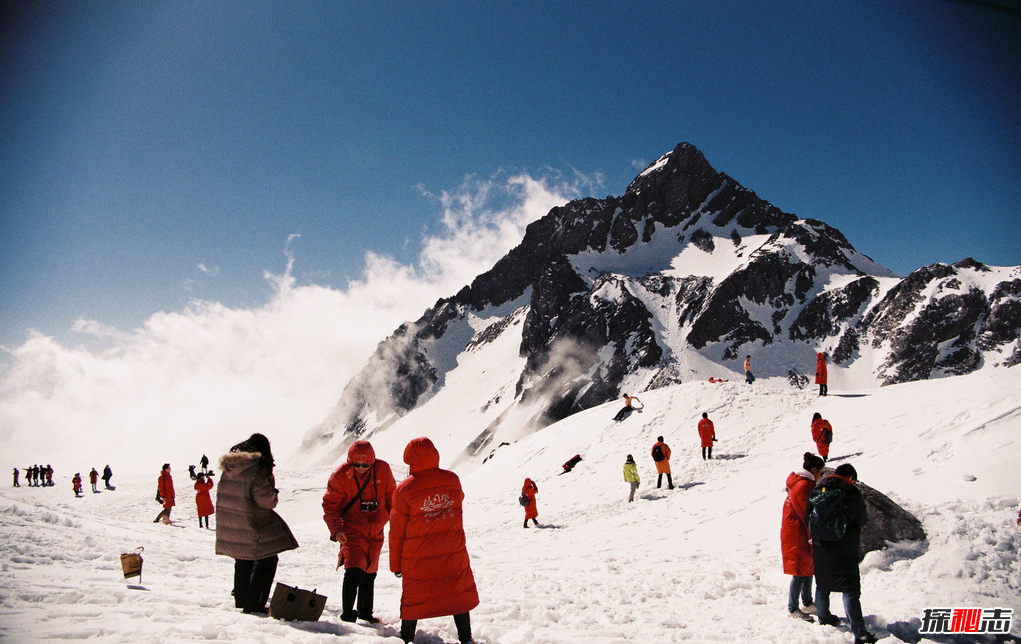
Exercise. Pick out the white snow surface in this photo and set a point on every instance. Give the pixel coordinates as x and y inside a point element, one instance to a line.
<point>699,563</point>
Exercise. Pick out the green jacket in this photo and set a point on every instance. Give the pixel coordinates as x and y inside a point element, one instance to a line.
<point>631,473</point>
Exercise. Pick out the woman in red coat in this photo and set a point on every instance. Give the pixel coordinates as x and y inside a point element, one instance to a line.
<point>822,434</point>
<point>530,489</point>
<point>203,502</point>
<point>165,488</point>
<point>820,373</point>
<point>356,506</point>
<point>794,536</point>
<point>427,544</point>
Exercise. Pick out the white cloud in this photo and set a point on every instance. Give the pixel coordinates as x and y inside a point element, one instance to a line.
<point>198,380</point>
<point>211,271</point>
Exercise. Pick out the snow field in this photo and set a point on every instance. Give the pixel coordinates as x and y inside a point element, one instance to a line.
<point>700,563</point>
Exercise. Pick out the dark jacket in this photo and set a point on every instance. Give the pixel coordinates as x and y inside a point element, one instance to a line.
<point>246,526</point>
<point>836,562</point>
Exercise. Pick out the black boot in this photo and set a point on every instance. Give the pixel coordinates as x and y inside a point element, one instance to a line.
<point>366,595</point>
<point>259,586</point>
<point>352,582</point>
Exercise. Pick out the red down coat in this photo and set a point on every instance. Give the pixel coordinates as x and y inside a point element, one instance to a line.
<point>820,369</point>
<point>794,535</point>
<point>203,502</point>
<point>530,489</point>
<point>427,542</point>
<point>707,432</point>
<point>818,435</point>
<point>361,527</point>
<point>165,486</point>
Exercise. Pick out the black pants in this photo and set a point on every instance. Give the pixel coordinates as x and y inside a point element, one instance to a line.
<point>823,390</point>
<point>669,481</point>
<point>462,622</point>
<point>707,453</point>
<point>252,582</point>
<point>359,585</point>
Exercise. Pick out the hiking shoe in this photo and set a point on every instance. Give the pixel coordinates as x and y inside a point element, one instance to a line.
<point>867,638</point>
<point>809,608</point>
<point>832,620</point>
<point>797,614</point>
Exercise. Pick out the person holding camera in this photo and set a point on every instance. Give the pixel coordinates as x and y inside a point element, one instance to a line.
<point>356,507</point>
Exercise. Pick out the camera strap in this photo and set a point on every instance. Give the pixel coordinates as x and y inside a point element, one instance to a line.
<point>361,488</point>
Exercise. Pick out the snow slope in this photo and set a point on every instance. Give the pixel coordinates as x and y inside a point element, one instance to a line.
<point>700,563</point>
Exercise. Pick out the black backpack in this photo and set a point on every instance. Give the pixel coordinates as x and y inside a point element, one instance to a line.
<point>827,517</point>
<point>524,500</point>
<point>657,452</point>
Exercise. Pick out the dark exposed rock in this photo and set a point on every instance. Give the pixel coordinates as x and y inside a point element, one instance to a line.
<point>586,328</point>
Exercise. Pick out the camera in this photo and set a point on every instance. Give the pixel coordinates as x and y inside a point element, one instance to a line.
<point>370,506</point>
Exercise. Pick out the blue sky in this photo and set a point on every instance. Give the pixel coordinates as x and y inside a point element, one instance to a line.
<point>156,153</point>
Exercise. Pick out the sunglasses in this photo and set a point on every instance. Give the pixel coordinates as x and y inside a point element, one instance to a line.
<point>363,466</point>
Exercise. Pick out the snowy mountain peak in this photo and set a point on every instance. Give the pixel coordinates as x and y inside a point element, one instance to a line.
<point>680,278</point>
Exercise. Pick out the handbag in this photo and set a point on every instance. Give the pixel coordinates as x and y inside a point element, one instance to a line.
<point>290,603</point>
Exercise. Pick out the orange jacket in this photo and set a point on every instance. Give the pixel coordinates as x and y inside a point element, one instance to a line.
<point>427,542</point>
<point>362,524</point>
<point>662,467</point>
<point>820,368</point>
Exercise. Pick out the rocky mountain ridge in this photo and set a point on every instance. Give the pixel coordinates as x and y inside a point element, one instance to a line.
<point>678,279</point>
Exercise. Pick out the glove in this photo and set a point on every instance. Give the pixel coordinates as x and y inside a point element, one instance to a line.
<point>714,439</point>
<point>397,574</point>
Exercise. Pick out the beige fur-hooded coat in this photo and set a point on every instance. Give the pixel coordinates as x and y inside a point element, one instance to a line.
<point>246,526</point>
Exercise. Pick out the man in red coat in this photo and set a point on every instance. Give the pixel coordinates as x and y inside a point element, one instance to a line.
<point>706,432</point>
<point>165,488</point>
<point>820,373</point>
<point>427,544</point>
<point>356,506</point>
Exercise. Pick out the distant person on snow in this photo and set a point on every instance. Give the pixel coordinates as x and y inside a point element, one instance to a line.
<point>16,475</point>
<point>530,489</point>
<point>93,479</point>
<point>716,380</point>
<point>427,544</point>
<point>822,434</point>
<point>628,407</point>
<point>661,456</point>
<point>76,484</point>
<point>107,475</point>
<point>203,502</point>
<point>356,507</point>
<point>795,539</point>
<point>748,377</point>
<point>836,562</point>
<point>820,373</point>
<point>631,476</point>
<point>165,494</point>
<point>571,462</point>
<point>247,528</point>
<point>707,432</point>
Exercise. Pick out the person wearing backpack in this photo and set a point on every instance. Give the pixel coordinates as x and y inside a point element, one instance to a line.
<point>707,432</point>
<point>661,456</point>
<point>528,491</point>
<point>836,543</point>
<point>822,434</point>
<point>795,540</point>
<point>631,476</point>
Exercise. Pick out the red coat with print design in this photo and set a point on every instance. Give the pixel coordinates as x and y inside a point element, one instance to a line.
<point>427,542</point>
